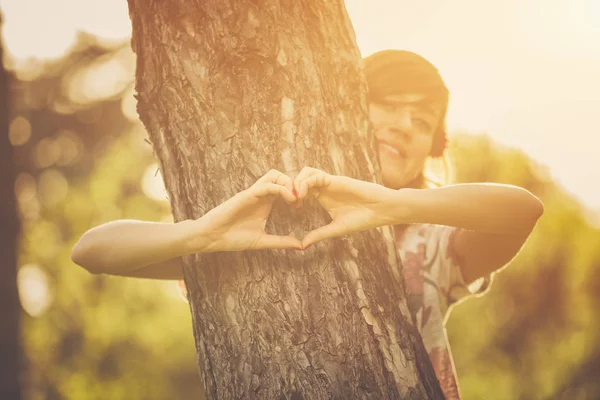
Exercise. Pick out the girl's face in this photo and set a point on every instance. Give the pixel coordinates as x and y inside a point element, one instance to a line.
<point>404,125</point>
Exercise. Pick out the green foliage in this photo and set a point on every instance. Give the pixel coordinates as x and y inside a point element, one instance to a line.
<point>532,334</point>
<point>106,337</point>
<point>91,336</point>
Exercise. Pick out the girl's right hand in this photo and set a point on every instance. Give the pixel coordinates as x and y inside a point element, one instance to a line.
<point>239,223</point>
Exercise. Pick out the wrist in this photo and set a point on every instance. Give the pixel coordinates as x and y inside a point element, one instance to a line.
<point>193,236</point>
<point>401,206</point>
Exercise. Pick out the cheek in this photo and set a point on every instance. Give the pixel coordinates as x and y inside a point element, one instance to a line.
<point>421,148</point>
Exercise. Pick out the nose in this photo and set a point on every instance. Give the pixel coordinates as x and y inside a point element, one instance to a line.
<point>401,125</point>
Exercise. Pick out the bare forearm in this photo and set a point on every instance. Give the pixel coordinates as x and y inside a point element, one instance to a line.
<point>484,207</point>
<point>124,246</point>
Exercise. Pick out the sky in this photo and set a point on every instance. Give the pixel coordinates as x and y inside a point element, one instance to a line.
<point>525,72</point>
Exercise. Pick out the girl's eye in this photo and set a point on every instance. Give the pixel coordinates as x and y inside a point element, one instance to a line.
<point>423,125</point>
<point>385,106</point>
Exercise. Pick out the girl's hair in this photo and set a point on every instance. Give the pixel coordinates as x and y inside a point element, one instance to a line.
<point>391,72</point>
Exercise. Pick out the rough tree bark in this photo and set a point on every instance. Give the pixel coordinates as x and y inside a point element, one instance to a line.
<point>228,90</point>
<point>10,309</point>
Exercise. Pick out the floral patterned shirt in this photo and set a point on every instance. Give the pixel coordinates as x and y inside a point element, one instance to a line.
<point>434,283</point>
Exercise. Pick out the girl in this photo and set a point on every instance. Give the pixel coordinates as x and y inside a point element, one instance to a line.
<point>447,237</point>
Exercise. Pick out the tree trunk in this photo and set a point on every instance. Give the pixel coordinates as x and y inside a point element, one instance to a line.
<point>10,309</point>
<point>228,90</point>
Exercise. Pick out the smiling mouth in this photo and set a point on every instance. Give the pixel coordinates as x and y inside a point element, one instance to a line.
<point>391,150</point>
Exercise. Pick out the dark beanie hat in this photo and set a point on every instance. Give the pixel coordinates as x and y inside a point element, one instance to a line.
<point>391,72</point>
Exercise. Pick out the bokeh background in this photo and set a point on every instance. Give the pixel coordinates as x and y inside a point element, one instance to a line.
<point>525,106</point>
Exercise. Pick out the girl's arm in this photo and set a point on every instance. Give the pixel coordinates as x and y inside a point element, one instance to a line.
<point>135,248</point>
<point>151,249</point>
<point>495,219</point>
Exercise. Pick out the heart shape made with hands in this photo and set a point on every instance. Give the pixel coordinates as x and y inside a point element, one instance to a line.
<point>352,205</point>
<point>298,219</point>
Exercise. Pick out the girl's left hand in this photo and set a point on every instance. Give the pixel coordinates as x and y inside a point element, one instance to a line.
<point>353,205</point>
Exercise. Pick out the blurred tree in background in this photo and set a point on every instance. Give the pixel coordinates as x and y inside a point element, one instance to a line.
<point>83,160</point>
<point>9,232</point>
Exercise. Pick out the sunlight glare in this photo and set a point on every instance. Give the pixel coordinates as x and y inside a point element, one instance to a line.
<point>102,80</point>
<point>71,148</point>
<point>152,183</point>
<point>45,29</point>
<point>52,187</point>
<point>37,28</point>
<point>129,105</point>
<point>34,290</point>
<point>19,131</point>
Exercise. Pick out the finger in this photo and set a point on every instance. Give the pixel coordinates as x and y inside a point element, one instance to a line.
<point>270,176</point>
<point>319,180</point>
<point>305,173</point>
<point>324,232</point>
<point>277,177</point>
<point>285,181</point>
<point>278,242</point>
<point>269,188</point>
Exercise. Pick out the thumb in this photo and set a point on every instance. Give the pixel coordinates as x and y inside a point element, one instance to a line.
<point>278,242</point>
<point>324,232</point>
